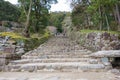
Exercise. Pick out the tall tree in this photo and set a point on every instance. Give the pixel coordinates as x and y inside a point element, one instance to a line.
<point>99,14</point>
<point>56,19</point>
<point>29,6</point>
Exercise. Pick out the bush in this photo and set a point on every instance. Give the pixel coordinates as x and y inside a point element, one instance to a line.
<point>32,43</point>
<point>7,24</point>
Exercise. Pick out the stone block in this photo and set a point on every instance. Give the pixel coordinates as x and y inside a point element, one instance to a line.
<point>9,49</point>
<point>93,61</point>
<point>109,53</point>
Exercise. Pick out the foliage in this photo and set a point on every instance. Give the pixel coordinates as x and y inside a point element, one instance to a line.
<point>7,24</point>
<point>8,11</point>
<point>78,16</point>
<point>56,19</point>
<point>35,14</point>
<point>30,43</point>
<point>12,35</point>
<point>35,41</point>
<point>96,14</point>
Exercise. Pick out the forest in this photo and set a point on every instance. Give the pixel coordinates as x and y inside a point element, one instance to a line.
<point>35,15</point>
<point>96,14</point>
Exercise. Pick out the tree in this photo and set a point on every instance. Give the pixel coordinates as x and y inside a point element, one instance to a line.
<point>8,11</point>
<point>56,19</point>
<point>29,6</point>
<point>98,14</point>
<point>26,6</point>
<point>80,17</point>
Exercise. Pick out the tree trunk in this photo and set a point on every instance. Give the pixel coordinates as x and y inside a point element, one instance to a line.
<point>26,30</point>
<point>106,19</point>
<point>118,16</point>
<point>115,15</point>
<point>107,22</point>
<point>100,24</point>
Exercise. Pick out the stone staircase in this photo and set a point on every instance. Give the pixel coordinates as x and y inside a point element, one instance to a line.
<point>57,54</point>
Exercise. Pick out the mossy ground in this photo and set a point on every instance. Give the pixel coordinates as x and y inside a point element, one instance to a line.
<point>12,35</point>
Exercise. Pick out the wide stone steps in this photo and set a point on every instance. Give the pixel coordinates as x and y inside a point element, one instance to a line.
<point>66,66</point>
<point>58,54</point>
<point>52,60</point>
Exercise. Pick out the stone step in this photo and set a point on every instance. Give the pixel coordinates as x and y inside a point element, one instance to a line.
<point>59,49</point>
<point>54,56</point>
<point>68,66</point>
<point>64,53</point>
<point>58,53</point>
<point>24,61</point>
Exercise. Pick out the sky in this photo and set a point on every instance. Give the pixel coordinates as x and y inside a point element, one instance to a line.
<point>62,5</point>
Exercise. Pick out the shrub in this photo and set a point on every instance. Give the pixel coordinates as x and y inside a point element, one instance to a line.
<point>33,43</point>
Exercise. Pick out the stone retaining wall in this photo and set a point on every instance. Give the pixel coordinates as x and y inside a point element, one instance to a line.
<point>102,41</point>
<point>97,41</point>
<point>6,58</point>
<point>9,50</point>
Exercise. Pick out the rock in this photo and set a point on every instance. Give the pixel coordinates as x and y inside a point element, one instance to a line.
<point>93,61</point>
<point>107,48</point>
<point>20,51</point>
<point>28,68</point>
<point>108,68</point>
<point>107,63</point>
<point>110,53</point>
<point>11,42</point>
<point>116,71</point>
<point>117,47</point>
<point>1,47</point>
<point>10,49</point>
<point>104,60</point>
<point>2,62</point>
<point>89,52</point>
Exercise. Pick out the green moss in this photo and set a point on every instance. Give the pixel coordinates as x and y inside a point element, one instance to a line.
<point>97,31</point>
<point>12,35</point>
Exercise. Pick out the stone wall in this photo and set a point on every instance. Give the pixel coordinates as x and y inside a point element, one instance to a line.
<point>102,41</point>
<point>10,50</point>
<point>8,45</point>
<point>6,58</point>
<point>97,41</point>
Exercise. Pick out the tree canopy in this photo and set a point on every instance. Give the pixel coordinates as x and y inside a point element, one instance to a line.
<point>36,12</point>
<point>8,11</point>
<point>56,19</point>
<point>96,14</point>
